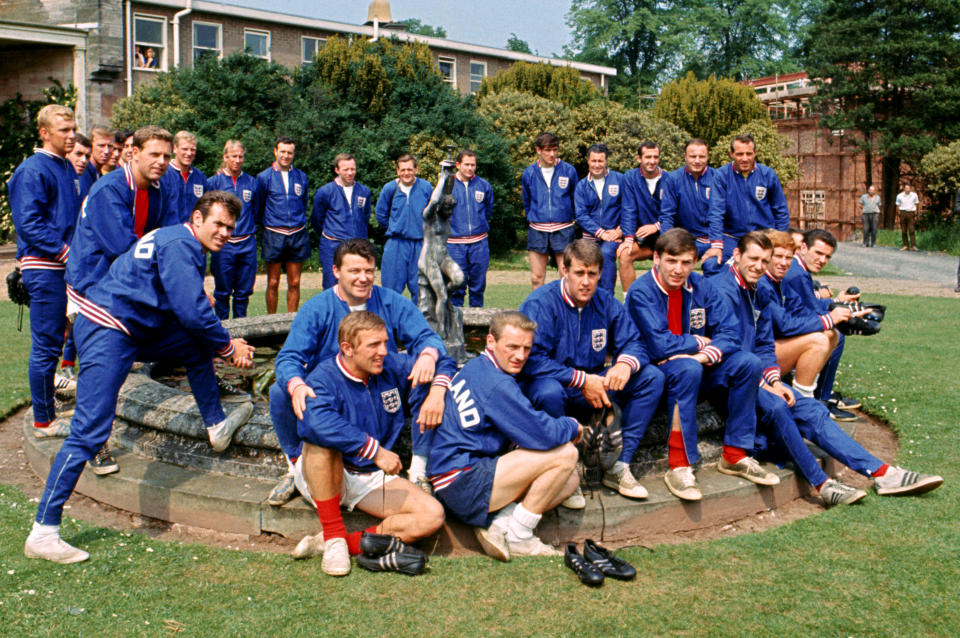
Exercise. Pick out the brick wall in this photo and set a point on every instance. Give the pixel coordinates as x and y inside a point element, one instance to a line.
<point>27,70</point>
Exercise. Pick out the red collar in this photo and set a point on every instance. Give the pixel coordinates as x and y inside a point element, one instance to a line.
<point>567,299</point>
<point>346,373</point>
<point>656,278</point>
<point>802,263</point>
<point>740,280</point>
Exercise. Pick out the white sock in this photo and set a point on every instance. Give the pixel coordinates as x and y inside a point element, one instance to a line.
<point>214,430</point>
<point>521,523</point>
<point>618,468</point>
<point>418,466</point>
<point>804,390</point>
<point>42,532</point>
<point>289,466</point>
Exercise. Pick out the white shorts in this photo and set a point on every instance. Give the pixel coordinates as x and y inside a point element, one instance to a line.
<point>356,485</point>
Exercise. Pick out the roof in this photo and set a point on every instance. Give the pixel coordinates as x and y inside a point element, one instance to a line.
<point>307,22</point>
<point>777,79</point>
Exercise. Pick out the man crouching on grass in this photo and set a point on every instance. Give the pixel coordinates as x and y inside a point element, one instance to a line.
<point>503,494</point>
<point>362,397</point>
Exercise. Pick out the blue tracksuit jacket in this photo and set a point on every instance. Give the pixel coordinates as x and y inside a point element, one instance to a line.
<point>279,208</point>
<point>685,201</point>
<point>639,206</point>
<point>183,193</point>
<point>799,298</point>
<point>785,324</point>
<point>593,215</point>
<point>471,216</point>
<point>485,413</point>
<point>44,198</point>
<point>549,206</point>
<point>105,229</point>
<point>245,188</point>
<point>571,343</point>
<point>335,218</point>
<point>402,215</point>
<point>756,327</point>
<point>740,204</point>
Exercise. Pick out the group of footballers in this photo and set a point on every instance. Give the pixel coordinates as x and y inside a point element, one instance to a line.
<point>493,442</point>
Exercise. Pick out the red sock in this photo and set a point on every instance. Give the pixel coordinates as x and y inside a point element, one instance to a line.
<point>41,424</point>
<point>353,539</point>
<point>66,364</point>
<point>330,519</point>
<point>881,470</point>
<point>293,460</point>
<point>733,455</point>
<point>821,485</point>
<point>676,453</point>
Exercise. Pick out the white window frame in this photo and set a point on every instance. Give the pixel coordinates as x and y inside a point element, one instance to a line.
<point>193,38</point>
<point>452,80</point>
<point>262,32</point>
<point>162,64</point>
<point>813,208</point>
<point>483,63</point>
<point>320,43</point>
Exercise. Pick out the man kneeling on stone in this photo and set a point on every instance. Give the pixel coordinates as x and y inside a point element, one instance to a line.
<point>348,430</point>
<point>577,325</point>
<point>502,493</point>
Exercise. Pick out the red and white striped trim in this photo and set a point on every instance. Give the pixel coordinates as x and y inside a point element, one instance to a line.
<point>716,243</point>
<point>713,354</point>
<point>430,351</point>
<point>280,230</point>
<point>227,350</point>
<point>771,375</point>
<point>293,384</point>
<point>441,481</point>
<point>797,258</point>
<point>40,263</point>
<point>597,233</point>
<point>827,321</point>
<point>467,239</point>
<point>630,360</point>
<point>369,449</point>
<point>441,381</point>
<point>493,359</point>
<point>663,289</point>
<point>701,342</point>
<point>578,379</point>
<point>740,280</point>
<point>347,373</point>
<point>550,227</point>
<point>95,313</point>
<point>238,239</point>
<point>567,299</point>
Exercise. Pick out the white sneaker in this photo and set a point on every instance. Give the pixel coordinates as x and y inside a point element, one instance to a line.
<point>53,548</point>
<point>309,546</point>
<point>336,557</point>
<point>683,484</point>
<point>750,469</point>
<point>221,434</point>
<point>493,539</point>
<point>625,484</point>
<point>59,427</point>
<point>575,501</point>
<point>532,546</point>
<point>833,492</point>
<point>899,481</point>
<point>65,382</point>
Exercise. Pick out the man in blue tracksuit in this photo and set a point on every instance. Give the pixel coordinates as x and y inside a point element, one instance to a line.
<point>234,268</point>
<point>44,191</point>
<point>685,201</point>
<point>363,395</point>
<point>577,325</point>
<point>101,147</point>
<point>800,299</point>
<point>183,184</point>
<point>400,213</point>
<point>476,471</point>
<point>640,219</point>
<point>150,306</point>
<point>341,211</point>
<point>469,225</point>
<point>312,338</point>
<point>746,196</point>
<point>281,208</point>
<point>547,188</point>
<point>691,332</point>
<point>597,202</point>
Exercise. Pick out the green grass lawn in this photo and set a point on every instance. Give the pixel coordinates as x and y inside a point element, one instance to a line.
<point>887,567</point>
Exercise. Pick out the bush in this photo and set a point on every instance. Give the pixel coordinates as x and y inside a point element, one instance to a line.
<point>770,147</point>
<point>940,171</point>
<point>560,84</point>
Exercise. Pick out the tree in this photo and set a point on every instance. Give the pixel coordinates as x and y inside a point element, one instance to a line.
<point>560,84</point>
<point>514,43</point>
<point>940,171</point>
<point>413,25</point>
<point>708,109</point>
<point>889,69</point>
<point>770,147</point>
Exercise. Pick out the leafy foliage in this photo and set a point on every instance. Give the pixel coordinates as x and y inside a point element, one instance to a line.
<point>708,109</point>
<point>18,137</point>
<point>414,25</point>
<point>560,84</point>
<point>940,170</point>
<point>514,43</point>
<point>770,147</point>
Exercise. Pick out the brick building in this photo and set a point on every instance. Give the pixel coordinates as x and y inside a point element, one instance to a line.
<point>108,47</point>
<point>832,170</point>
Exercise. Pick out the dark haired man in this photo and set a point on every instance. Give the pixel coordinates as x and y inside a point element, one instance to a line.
<point>547,189</point>
<point>282,210</point>
<point>341,211</point>
<point>577,326</point>
<point>151,305</point>
<point>641,211</point>
<point>597,200</point>
<point>685,201</point>
<point>101,145</point>
<point>469,225</point>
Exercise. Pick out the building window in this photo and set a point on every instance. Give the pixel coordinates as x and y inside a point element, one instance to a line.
<point>310,46</point>
<point>448,69</point>
<point>207,40</point>
<point>812,209</point>
<point>149,43</point>
<point>478,71</point>
<point>761,91</point>
<point>257,43</point>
